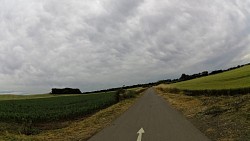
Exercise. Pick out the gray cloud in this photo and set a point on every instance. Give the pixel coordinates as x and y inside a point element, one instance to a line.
<point>99,44</point>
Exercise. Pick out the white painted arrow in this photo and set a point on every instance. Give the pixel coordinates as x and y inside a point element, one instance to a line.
<point>140,132</point>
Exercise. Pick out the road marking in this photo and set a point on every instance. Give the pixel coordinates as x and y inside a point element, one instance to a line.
<point>140,132</point>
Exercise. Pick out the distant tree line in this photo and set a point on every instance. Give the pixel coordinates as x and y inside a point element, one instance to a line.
<point>65,91</point>
<point>183,77</point>
<point>119,88</point>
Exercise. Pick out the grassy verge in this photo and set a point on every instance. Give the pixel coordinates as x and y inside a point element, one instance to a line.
<point>228,92</point>
<point>221,118</point>
<point>80,129</point>
<point>207,92</point>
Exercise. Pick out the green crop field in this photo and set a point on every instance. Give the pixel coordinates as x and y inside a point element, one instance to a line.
<point>53,108</point>
<point>234,79</point>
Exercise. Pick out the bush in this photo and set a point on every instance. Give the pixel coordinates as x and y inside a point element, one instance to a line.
<point>122,94</point>
<point>129,94</point>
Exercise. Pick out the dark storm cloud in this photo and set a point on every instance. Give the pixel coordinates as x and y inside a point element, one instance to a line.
<point>99,44</point>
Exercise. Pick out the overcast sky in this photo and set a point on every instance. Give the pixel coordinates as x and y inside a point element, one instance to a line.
<point>96,44</point>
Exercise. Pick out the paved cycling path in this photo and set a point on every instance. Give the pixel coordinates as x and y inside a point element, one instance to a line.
<point>151,118</point>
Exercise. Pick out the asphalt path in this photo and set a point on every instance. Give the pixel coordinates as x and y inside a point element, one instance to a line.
<point>151,118</point>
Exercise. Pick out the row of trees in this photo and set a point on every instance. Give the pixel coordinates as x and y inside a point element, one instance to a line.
<point>65,91</point>
<point>183,77</point>
<point>119,88</point>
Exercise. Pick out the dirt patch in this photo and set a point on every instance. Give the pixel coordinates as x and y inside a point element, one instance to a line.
<point>221,118</point>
